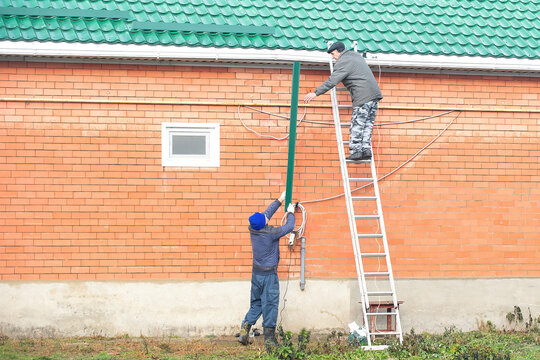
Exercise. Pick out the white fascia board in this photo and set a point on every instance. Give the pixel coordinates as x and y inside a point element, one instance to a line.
<point>454,62</point>
<point>160,52</point>
<point>156,52</point>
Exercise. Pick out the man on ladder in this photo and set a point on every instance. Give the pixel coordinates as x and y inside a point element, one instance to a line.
<point>352,70</point>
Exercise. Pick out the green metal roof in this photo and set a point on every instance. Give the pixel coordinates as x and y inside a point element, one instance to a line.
<point>505,28</point>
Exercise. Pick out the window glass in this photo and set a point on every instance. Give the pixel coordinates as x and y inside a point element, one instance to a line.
<point>188,145</point>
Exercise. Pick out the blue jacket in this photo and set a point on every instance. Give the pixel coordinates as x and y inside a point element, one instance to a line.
<point>265,242</point>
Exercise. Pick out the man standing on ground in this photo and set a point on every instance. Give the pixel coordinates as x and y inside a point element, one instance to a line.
<point>264,279</point>
<point>351,69</point>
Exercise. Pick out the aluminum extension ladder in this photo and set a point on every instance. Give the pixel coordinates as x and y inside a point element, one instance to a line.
<point>373,267</point>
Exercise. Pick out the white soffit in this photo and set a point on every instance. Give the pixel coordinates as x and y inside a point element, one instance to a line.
<point>171,53</point>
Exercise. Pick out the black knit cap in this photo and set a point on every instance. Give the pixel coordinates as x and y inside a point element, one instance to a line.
<point>338,45</point>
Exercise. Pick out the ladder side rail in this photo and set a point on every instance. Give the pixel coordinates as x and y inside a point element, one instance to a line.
<point>347,191</point>
<point>350,209</point>
<point>386,248</point>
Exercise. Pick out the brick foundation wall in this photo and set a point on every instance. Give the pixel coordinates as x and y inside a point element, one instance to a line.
<point>83,194</point>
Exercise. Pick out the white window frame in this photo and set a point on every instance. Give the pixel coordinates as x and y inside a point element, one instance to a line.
<point>210,131</point>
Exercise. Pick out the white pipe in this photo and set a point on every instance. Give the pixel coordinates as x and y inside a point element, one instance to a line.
<point>303,263</point>
<point>160,52</point>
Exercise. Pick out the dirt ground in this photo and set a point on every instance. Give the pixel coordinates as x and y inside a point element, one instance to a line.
<point>126,347</point>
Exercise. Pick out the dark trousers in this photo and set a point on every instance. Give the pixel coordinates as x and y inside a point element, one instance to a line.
<point>264,299</point>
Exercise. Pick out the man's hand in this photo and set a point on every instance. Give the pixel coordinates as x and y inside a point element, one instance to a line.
<point>291,208</point>
<point>309,96</point>
<point>282,197</point>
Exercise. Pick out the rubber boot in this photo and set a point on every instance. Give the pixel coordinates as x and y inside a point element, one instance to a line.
<point>244,334</point>
<point>270,338</point>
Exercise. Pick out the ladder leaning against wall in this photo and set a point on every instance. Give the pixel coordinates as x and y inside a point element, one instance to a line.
<point>368,235</point>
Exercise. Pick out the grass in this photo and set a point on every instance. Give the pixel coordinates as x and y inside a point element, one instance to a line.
<point>452,344</point>
<point>485,344</point>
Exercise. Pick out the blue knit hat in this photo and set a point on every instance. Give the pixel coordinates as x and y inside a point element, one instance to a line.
<point>257,221</point>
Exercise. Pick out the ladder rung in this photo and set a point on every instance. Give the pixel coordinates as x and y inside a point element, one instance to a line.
<point>340,88</point>
<point>360,179</point>
<point>358,161</point>
<point>344,106</point>
<point>364,198</point>
<point>371,274</point>
<point>366,217</point>
<point>373,255</point>
<point>369,236</point>
<point>384,333</point>
<point>381,313</point>
<point>380,293</point>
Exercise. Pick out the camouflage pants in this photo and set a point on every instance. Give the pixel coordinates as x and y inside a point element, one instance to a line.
<point>361,128</point>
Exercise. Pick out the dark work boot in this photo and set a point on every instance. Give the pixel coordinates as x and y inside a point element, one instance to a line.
<point>366,154</point>
<point>355,156</point>
<point>270,338</point>
<point>244,334</point>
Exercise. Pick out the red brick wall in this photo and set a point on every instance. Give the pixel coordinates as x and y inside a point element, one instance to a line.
<point>83,194</point>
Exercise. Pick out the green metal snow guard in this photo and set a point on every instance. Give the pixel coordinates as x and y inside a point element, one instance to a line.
<point>202,28</point>
<point>60,13</point>
<point>292,133</point>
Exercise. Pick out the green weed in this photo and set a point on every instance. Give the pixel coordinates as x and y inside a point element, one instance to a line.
<point>287,350</point>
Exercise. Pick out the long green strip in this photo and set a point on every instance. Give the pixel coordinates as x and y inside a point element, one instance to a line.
<point>205,28</point>
<point>72,13</point>
<point>292,132</point>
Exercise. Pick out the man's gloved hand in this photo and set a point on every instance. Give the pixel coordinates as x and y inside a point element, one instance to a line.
<point>282,197</point>
<point>291,208</point>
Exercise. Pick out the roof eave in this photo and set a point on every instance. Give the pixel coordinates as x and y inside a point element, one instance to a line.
<point>263,56</point>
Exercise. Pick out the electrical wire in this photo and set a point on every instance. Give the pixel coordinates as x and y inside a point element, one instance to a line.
<point>411,121</point>
<point>297,235</point>
<point>270,136</point>
<point>391,172</point>
<point>288,278</point>
<point>286,289</point>
<point>376,283</point>
<point>346,124</point>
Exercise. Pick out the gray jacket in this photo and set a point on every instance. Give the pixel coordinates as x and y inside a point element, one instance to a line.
<point>352,70</point>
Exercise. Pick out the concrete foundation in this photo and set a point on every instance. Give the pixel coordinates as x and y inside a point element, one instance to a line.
<point>180,308</point>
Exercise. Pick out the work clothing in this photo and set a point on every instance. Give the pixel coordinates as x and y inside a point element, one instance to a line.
<point>265,242</point>
<point>339,46</point>
<point>257,221</point>
<point>244,334</point>
<point>361,128</point>
<point>264,299</point>
<point>270,337</point>
<point>352,70</point>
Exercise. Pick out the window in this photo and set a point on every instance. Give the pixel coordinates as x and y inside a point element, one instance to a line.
<point>190,145</point>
